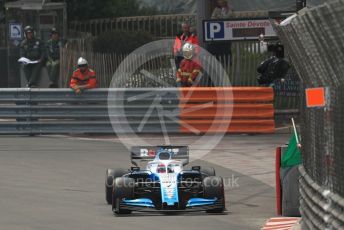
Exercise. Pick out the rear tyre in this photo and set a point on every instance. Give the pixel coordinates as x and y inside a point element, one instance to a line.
<point>213,187</point>
<point>109,179</point>
<point>123,187</point>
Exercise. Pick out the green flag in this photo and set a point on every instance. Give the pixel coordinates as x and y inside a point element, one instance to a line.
<point>292,156</point>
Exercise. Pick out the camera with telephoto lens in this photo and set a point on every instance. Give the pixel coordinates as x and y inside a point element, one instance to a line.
<point>273,68</point>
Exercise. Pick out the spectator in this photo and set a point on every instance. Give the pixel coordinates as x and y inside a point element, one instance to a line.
<point>32,49</point>
<point>189,71</point>
<point>222,10</point>
<point>273,68</point>
<point>185,37</point>
<point>53,55</point>
<point>83,78</point>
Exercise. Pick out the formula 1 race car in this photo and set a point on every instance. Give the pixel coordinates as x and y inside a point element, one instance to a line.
<point>164,184</point>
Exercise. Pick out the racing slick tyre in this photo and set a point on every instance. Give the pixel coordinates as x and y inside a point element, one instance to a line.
<point>123,187</point>
<point>213,187</point>
<point>109,178</point>
<point>208,171</point>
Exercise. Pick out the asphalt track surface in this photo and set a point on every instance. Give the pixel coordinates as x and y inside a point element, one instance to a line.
<point>58,183</point>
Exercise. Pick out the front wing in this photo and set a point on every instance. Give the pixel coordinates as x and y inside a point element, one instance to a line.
<point>193,205</point>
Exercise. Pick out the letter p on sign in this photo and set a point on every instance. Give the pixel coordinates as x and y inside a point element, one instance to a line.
<point>216,30</point>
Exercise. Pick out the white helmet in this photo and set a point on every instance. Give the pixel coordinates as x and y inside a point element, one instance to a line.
<point>82,61</point>
<point>188,50</point>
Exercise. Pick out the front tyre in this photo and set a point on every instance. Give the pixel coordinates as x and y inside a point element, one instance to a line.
<point>123,187</point>
<point>110,175</point>
<point>213,187</point>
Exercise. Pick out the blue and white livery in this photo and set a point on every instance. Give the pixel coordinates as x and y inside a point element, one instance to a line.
<point>164,184</point>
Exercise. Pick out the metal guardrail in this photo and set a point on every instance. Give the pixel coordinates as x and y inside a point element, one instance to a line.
<point>136,110</point>
<point>60,111</point>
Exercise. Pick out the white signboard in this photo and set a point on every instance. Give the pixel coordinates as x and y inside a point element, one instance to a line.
<point>237,30</point>
<point>15,31</point>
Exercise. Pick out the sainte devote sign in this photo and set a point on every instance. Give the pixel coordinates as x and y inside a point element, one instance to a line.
<point>227,30</point>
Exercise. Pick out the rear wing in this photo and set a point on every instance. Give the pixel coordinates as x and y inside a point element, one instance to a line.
<point>140,154</point>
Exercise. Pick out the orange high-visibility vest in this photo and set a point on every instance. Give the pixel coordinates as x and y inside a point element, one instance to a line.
<point>181,40</point>
<point>87,78</point>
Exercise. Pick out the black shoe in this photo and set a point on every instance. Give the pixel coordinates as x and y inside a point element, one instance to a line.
<point>53,86</point>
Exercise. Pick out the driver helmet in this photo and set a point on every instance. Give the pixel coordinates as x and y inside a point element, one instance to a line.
<point>161,168</point>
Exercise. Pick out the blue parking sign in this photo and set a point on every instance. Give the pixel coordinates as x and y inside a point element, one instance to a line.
<point>215,30</point>
<point>237,29</point>
<point>15,31</point>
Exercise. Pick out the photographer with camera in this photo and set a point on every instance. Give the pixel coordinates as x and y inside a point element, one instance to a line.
<point>274,68</point>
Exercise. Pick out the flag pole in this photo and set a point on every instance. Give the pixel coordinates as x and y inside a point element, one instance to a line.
<point>295,132</point>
